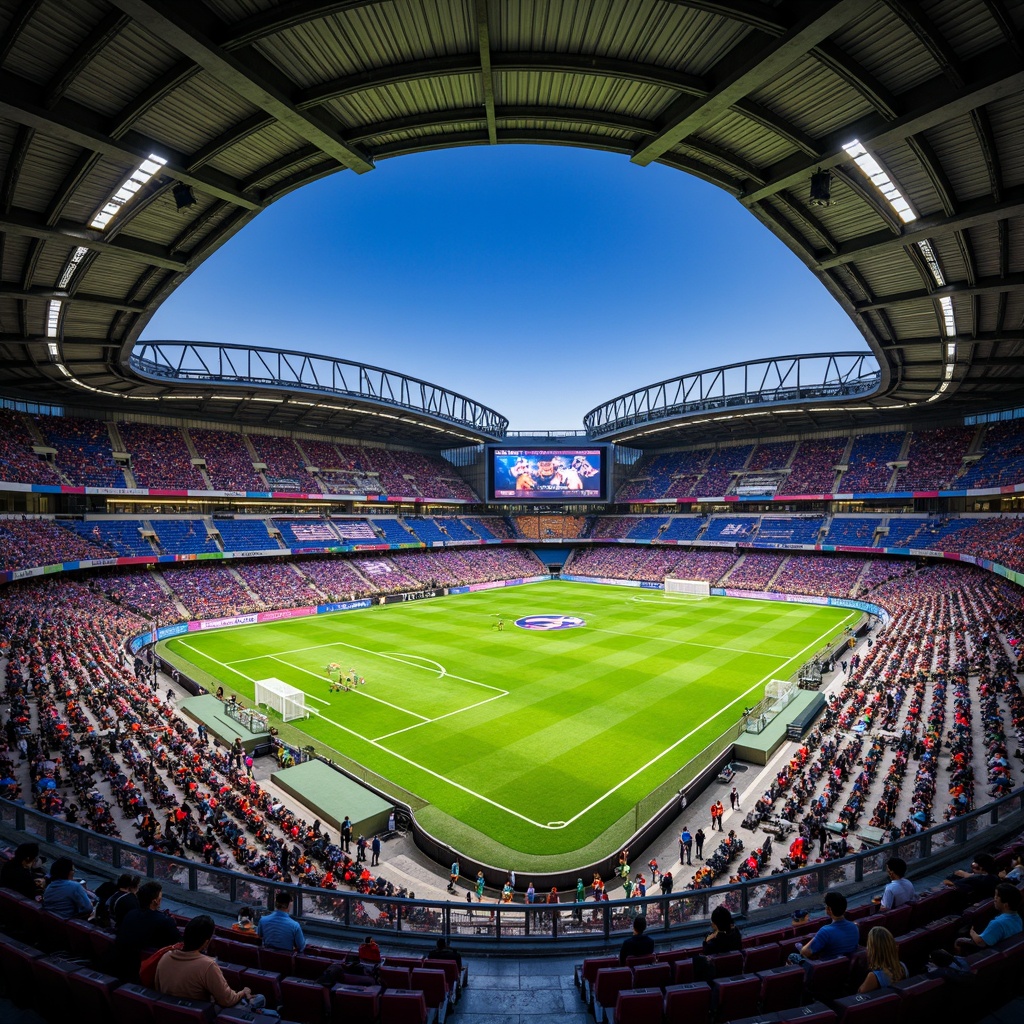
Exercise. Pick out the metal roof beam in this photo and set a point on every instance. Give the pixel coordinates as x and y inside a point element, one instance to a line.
<point>741,73</point>
<point>483,34</point>
<point>193,30</point>
<point>71,122</point>
<point>970,215</point>
<point>985,286</point>
<point>996,76</point>
<point>25,224</point>
<point>81,299</point>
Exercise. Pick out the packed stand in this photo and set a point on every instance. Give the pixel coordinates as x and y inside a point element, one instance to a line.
<point>160,457</point>
<point>84,453</point>
<point>547,527</point>
<point>183,537</point>
<point>820,576</point>
<point>934,458</point>
<point>813,469</point>
<point>868,468</point>
<point>29,543</point>
<point>789,530</point>
<point>286,469</point>
<point>228,460</point>
<point>137,589</point>
<point>122,537</point>
<point>208,591</point>
<point>245,535</point>
<point>278,584</point>
<point>754,572</point>
<point>1002,457</point>
<point>18,462</point>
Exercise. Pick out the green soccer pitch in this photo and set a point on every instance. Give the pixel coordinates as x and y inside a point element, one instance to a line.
<point>532,744</point>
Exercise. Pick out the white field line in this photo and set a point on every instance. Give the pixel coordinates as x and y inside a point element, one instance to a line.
<point>707,721</point>
<point>306,670</point>
<point>223,664</point>
<point>551,826</point>
<point>436,775</point>
<point>406,658</point>
<point>458,711</point>
<point>376,654</point>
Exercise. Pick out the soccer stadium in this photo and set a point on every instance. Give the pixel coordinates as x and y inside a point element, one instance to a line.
<point>385,710</point>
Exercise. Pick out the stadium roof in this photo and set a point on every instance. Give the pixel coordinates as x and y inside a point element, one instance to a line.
<point>113,113</point>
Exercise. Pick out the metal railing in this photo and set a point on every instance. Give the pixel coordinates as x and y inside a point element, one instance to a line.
<point>211,364</point>
<point>515,925</point>
<point>764,382</point>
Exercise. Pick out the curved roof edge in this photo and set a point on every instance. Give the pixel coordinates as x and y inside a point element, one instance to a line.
<point>761,387</point>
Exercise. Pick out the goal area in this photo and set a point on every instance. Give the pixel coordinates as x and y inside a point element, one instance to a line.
<point>288,701</point>
<point>690,588</point>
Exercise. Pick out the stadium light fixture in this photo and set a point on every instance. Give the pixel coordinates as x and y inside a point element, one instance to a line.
<point>880,179</point>
<point>129,187</point>
<point>821,188</point>
<point>53,317</point>
<point>184,197</point>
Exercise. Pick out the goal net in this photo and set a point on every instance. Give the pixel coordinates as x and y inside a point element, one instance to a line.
<point>691,588</point>
<point>288,701</point>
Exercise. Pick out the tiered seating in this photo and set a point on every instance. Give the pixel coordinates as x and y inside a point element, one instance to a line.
<point>788,530</point>
<point>773,456</point>
<point>160,457</point>
<point>18,463</point>
<point>454,529</point>
<point>228,460</point>
<point>490,527</point>
<point>1002,459</point>
<point>393,530</point>
<point>25,543</point>
<point>386,576</point>
<point>683,528</point>
<point>122,536</point>
<point>733,529</point>
<point>647,527</point>
<point>337,578</point>
<point>138,590</point>
<point>853,531</point>
<point>720,468</point>
<point>355,530</point>
<point>813,468</point>
<point>286,469</point>
<point>306,533</point>
<point>754,572</point>
<point>277,585</point>
<point>868,462</point>
<point>425,529</point>
<point>903,530</point>
<point>183,537</point>
<point>245,535</point>
<point>934,459</point>
<point>810,574</point>
<point>83,450</point>
<point>207,591</point>
<point>545,527</point>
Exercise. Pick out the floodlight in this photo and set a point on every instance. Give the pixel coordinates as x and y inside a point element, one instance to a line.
<point>184,197</point>
<point>821,188</point>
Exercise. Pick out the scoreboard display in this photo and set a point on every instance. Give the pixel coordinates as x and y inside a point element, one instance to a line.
<point>566,475</point>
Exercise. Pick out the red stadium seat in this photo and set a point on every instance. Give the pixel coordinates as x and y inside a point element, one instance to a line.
<point>881,1007</point>
<point>781,987</point>
<point>735,997</point>
<point>359,1004</point>
<point>398,1007</point>
<point>610,982</point>
<point>685,1004</point>
<point>639,1006</point>
<point>304,1000</point>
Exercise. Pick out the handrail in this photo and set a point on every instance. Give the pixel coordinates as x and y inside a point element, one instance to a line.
<point>510,927</point>
<point>210,363</point>
<point>784,380</point>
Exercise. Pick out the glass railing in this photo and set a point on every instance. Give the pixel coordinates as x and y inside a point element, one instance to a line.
<point>517,923</point>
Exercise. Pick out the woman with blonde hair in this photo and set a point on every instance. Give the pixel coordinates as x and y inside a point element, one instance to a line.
<point>884,966</point>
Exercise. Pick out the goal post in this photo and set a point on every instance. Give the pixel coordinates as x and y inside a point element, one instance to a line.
<point>287,700</point>
<point>692,588</point>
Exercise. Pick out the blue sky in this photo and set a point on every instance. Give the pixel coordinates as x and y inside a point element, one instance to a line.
<point>540,281</point>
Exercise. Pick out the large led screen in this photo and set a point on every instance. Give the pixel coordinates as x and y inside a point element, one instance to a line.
<point>547,474</point>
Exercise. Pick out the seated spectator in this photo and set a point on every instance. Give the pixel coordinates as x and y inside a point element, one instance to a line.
<point>900,890</point>
<point>64,896</point>
<point>279,930</point>
<point>146,928</point>
<point>1004,925</point>
<point>724,937</point>
<point>884,965</point>
<point>245,923</point>
<point>21,873</point>
<point>442,951</point>
<point>188,973</point>
<point>116,899</point>
<point>639,943</point>
<point>980,881</point>
<point>1015,873</point>
<point>837,938</point>
<point>369,951</point>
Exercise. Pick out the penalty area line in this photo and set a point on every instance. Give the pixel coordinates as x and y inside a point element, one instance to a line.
<point>432,773</point>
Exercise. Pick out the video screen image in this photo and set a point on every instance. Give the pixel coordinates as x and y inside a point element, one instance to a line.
<point>535,473</point>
